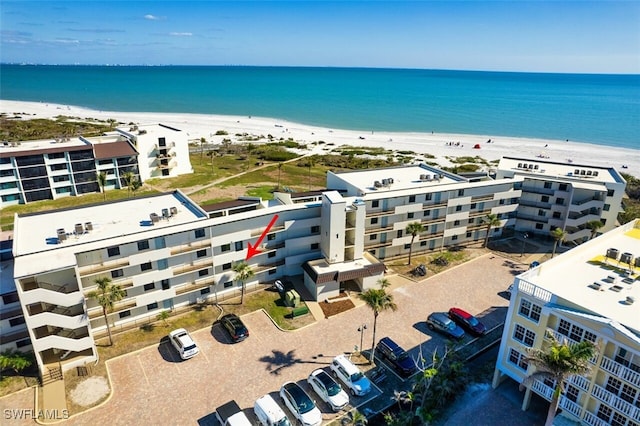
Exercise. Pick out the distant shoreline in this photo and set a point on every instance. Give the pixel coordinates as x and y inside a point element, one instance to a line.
<point>440,145</point>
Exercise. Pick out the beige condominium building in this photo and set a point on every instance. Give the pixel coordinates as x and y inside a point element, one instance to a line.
<point>591,292</point>
<point>51,169</point>
<point>167,252</point>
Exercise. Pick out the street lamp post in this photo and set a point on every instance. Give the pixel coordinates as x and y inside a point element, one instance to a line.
<point>524,241</point>
<point>361,329</point>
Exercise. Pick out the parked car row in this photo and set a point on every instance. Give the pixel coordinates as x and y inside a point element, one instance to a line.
<point>186,346</point>
<point>455,322</point>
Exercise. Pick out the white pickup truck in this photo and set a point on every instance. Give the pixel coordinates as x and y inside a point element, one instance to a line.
<point>230,414</point>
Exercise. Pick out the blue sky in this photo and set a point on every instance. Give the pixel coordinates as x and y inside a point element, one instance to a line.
<point>540,36</point>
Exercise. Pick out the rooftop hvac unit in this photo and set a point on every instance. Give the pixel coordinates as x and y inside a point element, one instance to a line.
<point>173,211</point>
<point>637,262</point>
<point>62,235</point>
<point>390,181</point>
<point>582,172</point>
<point>423,177</point>
<point>595,173</point>
<point>576,172</point>
<point>519,165</point>
<point>589,172</point>
<point>88,226</point>
<point>377,184</point>
<point>612,253</point>
<point>385,182</point>
<point>626,258</point>
<point>79,229</point>
<point>154,218</point>
<point>165,213</point>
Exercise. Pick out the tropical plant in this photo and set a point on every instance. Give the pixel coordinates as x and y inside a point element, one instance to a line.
<point>558,236</point>
<point>559,362</point>
<point>102,182</point>
<point>490,220</point>
<point>15,360</point>
<point>163,316</point>
<point>107,294</point>
<point>414,228</point>
<point>128,178</point>
<point>243,273</point>
<point>594,226</point>
<point>378,300</point>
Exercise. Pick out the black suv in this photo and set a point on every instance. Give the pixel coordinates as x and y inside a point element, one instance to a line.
<point>397,356</point>
<point>236,329</point>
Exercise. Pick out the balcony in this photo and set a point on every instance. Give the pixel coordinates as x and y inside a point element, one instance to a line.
<point>431,205</point>
<point>259,231</point>
<point>591,419</point>
<point>10,313</point>
<point>51,297</point>
<point>376,229</point>
<point>546,392</point>
<point>32,284</point>
<point>536,204</point>
<point>613,401</point>
<point>620,371</point>
<point>190,267</point>
<point>480,198</point>
<point>123,283</point>
<point>267,266</point>
<point>561,337</point>
<point>192,246</point>
<point>387,212</point>
<point>195,285</point>
<point>102,267</point>
<point>537,190</point>
<point>96,311</point>
<point>533,218</point>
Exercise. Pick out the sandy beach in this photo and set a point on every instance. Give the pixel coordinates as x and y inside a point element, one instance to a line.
<point>439,145</point>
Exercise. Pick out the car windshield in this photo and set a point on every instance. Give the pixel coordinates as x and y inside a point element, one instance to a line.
<point>302,400</point>
<point>473,321</point>
<point>450,325</point>
<point>329,384</point>
<point>356,376</point>
<point>190,347</point>
<point>283,422</point>
<point>333,389</point>
<point>400,354</point>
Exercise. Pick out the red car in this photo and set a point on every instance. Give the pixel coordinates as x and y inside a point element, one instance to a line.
<point>467,321</point>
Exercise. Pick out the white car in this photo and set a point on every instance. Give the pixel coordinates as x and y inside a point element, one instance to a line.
<point>184,344</point>
<point>328,389</point>
<point>350,375</point>
<point>300,404</point>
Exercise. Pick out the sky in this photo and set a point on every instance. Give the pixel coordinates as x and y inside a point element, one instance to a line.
<point>536,36</point>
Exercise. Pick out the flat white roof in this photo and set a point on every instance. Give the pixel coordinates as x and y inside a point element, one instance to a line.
<point>567,171</point>
<point>38,232</point>
<point>571,276</point>
<point>149,130</point>
<point>321,266</point>
<point>37,145</point>
<point>398,178</point>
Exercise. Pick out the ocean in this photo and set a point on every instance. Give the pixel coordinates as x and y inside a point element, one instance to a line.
<point>600,109</point>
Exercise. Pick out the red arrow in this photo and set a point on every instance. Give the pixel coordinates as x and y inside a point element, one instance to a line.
<point>253,250</point>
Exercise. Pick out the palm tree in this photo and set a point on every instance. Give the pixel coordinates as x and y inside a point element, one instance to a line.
<point>491,220</point>
<point>128,178</point>
<point>558,235</point>
<point>559,362</point>
<point>594,226</point>
<point>102,182</point>
<point>243,273</point>
<point>414,228</point>
<point>107,295</point>
<point>202,142</point>
<point>378,300</point>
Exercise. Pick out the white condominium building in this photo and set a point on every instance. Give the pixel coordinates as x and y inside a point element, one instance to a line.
<point>591,292</point>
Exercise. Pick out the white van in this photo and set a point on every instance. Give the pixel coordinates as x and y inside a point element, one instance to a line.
<point>269,412</point>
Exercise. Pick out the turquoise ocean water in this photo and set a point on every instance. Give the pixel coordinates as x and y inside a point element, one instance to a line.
<point>600,109</point>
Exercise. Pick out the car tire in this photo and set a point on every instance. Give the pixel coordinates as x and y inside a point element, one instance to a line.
<point>430,326</point>
<point>353,393</point>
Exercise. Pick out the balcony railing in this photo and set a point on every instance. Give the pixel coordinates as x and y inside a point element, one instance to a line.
<point>615,402</point>
<point>258,231</point>
<point>104,266</point>
<point>192,246</point>
<point>193,266</point>
<point>620,371</point>
<point>96,312</point>
<point>267,266</point>
<point>591,419</point>
<point>196,285</point>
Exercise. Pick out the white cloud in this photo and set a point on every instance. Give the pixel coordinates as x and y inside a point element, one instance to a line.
<point>152,17</point>
<point>181,34</point>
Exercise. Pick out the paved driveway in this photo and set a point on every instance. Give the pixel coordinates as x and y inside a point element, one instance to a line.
<point>153,386</point>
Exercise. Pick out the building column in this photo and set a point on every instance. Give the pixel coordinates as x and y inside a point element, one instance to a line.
<point>498,378</point>
<point>527,399</point>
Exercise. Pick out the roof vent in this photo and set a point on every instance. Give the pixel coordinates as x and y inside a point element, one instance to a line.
<point>377,184</point>
<point>626,258</point>
<point>612,253</point>
<point>629,300</point>
<point>595,173</point>
<point>62,235</point>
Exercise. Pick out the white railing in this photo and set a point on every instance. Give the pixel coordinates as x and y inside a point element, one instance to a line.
<point>535,291</point>
<point>580,382</point>
<point>64,343</point>
<point>616,403</point>
<point>50,296</point>
<point>58,320</point>
<point>620,371</point>
<point>570,406</point>
<point>602,394</point>
<point>591,419</point>
<point>541,389</point>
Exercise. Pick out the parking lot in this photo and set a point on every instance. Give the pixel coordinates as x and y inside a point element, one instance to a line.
<point>155,384</point>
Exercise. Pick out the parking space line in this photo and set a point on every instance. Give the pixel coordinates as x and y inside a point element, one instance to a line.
<point>204,354</point>
<point>143,372</point>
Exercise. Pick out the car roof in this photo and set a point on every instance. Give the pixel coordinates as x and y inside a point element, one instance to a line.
<point>295,391</point>
<point>183,336</point>
<point>464,314</point>
<point>390,343</point>
<point>323,377</point>
<point>346,364</point>
<point>440,316</point>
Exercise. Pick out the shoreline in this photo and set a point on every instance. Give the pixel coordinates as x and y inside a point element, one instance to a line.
<point>440,145</point>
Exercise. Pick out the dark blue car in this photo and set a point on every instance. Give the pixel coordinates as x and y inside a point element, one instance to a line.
<point>397,356</point>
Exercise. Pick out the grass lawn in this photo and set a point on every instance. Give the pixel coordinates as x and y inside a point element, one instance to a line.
<point>453,258</point>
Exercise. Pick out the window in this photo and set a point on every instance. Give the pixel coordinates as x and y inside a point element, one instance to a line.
<point>149,286</point>
<point>428,197</point>
<point>606,208</point>
<point>201,253</point>
<point>563,187</point>
<point>16,321</point>
<point>113,251</point>
<point>273,271</point>
<point>399,233</point>
<point>199,233</point>
<point>145,266</point>
<point>472,220</point>
<point>610,193</point>
<point>225,247</point>
<point>23,343</point>
<point>468,234</point>
<point>143,245</point>
<point>547,185</point>
<point>572,393</point>
<point>530,310</point>
<point>10,298</point>
<point>117,273</point>
<point>271,254</point>
<point>423,243</point>
<point>458,208</point>
<point>473,206</point>
<point>165,284</point>
<point>604,413</point>
<point>228,284</point>
<point>152,306</point>
<point>203,272</point>
<point>589,336</point>
<point>374,220</point>
<point>564,327</point>
<point>460,192</point>
<point>410,215</point>
<point>226,266</point>
<point>124,314</point>
<point>613,385</point>
<point>539,226</point>
<point>545,199</point>
<point>375,204</point>
<point>456,222</point>
<point>629,394</point>
<point>373,237</point>
<point>412,198</point>
<point>560,201</point>
<point>163,264</point>
<point>315,246</point>
<point>454,238</point>
<point>407,246</point>
<point>541,212</point>
<point>315,229</point>
<point>271,237</point>
<point>618,419</point>
<point>427,213</point>
<point>556,215</point>
<point>205,291</point>
<point>523,335</point>
<point>501,202</point>
<point>576,333</point>
<point>239,245</point>
<point>518,359</point>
